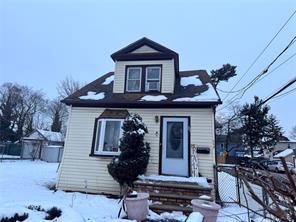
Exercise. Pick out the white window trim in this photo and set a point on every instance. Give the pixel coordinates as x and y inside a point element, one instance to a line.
<point>102,137</point>
<point>146,77</point>
<point>127,74</point>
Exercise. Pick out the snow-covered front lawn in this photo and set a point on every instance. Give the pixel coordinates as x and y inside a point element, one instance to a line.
<point>25,183</point>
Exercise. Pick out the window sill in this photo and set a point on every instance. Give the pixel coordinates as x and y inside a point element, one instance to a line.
<point>103,155</point>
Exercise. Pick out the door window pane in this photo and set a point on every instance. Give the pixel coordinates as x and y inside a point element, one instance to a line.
<point>174,146</point>
<point>112,134</point>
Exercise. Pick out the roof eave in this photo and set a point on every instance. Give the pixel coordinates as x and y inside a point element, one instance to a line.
<point>205,104</point>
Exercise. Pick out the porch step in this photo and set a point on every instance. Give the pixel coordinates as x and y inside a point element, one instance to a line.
<point>173,199</point>
<point>171,196</point>
<point>168,187</point>
<point>159,208</point>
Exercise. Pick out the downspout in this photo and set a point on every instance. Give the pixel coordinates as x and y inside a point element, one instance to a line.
<point>216,186</point>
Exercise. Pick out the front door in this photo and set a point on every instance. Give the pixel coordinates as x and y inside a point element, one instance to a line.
<point>175,151</point>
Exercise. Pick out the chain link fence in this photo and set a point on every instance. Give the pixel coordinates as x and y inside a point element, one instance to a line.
<point>25,151</point>
<point>10,151</point>
<point>232,190</point>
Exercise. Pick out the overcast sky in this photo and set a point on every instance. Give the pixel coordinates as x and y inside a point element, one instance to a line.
<point>43,41</point>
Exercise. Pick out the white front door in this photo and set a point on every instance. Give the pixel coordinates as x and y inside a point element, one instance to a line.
<point>175,156</point>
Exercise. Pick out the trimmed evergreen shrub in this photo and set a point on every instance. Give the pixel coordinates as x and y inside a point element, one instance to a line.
<point>134,156</point>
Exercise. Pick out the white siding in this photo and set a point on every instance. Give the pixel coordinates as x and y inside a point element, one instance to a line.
<point>77,166</point>
<point>168,74</point>
<point>144,49</point>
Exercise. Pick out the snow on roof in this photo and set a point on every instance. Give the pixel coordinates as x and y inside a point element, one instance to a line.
<point>191,80</point>
<point>202,181</point>
<point>93,96</point>
<point>153,98</point>
<point>209,95</point>
<point>108,80</point>
<point>52,136</point>
<point>284,153</point>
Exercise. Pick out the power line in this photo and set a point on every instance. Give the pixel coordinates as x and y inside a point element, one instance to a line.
<point>292,81</point>
<point>278,66</point>
<point>282,95</point>
<point>274,69</point>
<point>255,79</point>
<point>261,53</point>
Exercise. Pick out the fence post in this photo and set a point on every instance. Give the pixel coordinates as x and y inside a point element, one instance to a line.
<point>237,185</point>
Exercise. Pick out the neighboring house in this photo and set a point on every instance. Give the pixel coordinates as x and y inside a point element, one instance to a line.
<point>285,145</point>
<point>177,106</point>
<point>235,146</point>
<point>43,144</point>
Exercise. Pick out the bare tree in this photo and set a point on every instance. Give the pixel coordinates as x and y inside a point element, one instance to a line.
<point>9,96</point>
<point>293,133</point>
<point>31,102</point>
<point>58,115</point>
<point>18,105</point>
<point>67,87</point>
<point>230,124</point>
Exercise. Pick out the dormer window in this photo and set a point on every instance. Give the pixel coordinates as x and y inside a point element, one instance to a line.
<point>144,78</point>
<point>152,82</point>
<point>134,75</point>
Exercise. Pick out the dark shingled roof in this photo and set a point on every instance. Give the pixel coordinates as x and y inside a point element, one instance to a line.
<point>130,100</point>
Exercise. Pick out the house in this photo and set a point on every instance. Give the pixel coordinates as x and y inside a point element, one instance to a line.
<point>285,145</point>
<point>178,108</point>
<point>235,146</point>
<point>44,145</point>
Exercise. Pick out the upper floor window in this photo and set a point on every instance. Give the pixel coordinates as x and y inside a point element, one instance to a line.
<point>152,82</point>
<point>143,78</point>
<point>134,76</point>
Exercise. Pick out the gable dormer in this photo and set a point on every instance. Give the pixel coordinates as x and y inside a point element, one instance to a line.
<point>144,67</point>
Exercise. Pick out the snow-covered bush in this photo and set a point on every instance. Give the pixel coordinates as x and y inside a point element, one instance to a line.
<point>134,156</point>
<point>16,217</point>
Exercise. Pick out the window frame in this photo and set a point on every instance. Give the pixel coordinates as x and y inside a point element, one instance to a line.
<point>98,150</point>
<point>143,78</point>
<point>127,79</point>
<point>153,80</point>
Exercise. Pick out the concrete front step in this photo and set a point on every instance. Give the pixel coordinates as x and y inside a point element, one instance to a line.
<point>171,196</point>
<point>171,184</point>
<point>173,199</point>
<point>159,208</point>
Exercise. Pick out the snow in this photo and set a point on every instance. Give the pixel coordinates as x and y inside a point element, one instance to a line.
<point>195,217</point>
<point>139,131</point>
<point>205,197</point>
<point>68,214</point>
<point>108,80</point>
<point>191,80</point>
<point>208,95</point>
<point>23,183</point>
<point>153,98</point>
<point>284,153</point>
<point>52,136</point>
<point>175,215</point>
<point>202,181</point>
<point>8,156</point>
<point>93,96</point>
